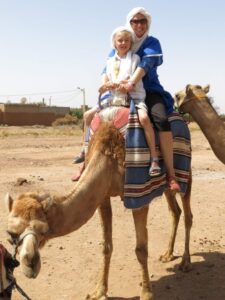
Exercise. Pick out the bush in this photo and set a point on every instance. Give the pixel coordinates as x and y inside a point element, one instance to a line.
<point>77,112</point>
<point>67,120</point>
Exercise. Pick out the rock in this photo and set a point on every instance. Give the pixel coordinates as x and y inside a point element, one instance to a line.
<point>21,181</point>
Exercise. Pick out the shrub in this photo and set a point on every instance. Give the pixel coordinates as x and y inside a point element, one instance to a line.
<point>77,112</point>
<point>67,120</point>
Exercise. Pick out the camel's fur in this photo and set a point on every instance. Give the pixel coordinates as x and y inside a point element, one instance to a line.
<point>103,177</point>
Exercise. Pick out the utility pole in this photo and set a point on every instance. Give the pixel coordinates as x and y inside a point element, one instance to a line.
<point>83,92</point>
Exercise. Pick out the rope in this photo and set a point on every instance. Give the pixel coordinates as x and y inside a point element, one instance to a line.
<point>10,276</point>
<point>21,291</point>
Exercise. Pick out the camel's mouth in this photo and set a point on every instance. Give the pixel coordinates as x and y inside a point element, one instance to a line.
<point>30,265</point>
<point>29,256</point>
<point>179,98</point>
<point>29,273</point>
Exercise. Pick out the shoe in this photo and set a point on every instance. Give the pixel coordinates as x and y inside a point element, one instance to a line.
<point>80,158</point>
<point>174,185</point>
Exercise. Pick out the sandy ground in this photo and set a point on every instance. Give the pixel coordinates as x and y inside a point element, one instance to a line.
<point>70,264</point>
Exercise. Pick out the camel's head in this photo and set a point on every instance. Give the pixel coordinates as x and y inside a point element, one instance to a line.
<point>27,227</point>
<point>191,92</point>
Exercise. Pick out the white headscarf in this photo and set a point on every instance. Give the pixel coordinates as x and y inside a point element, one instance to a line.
<point>138,41</point>
<point>117,68</point>
<point>119,29</point>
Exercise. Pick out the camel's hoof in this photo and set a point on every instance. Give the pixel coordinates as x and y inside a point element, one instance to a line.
<point>96,297</point>
<point>167,257</point>
<point>185,265</point>
<point>146,294</point>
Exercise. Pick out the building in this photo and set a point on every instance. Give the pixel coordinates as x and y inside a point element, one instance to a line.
<point>30,114</point>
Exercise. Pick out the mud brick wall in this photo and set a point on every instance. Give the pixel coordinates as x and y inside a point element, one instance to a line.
<point>21,115</point>
<point>21,119</point>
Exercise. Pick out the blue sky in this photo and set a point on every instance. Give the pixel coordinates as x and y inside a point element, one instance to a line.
<point>51,47</point>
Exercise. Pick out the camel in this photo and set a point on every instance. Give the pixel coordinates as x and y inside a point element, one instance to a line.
<point>34,218</point>
<point>193,100</point>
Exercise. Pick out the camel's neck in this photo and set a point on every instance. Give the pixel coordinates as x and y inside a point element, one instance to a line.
<point>81,204</point>
<point>210,123</point>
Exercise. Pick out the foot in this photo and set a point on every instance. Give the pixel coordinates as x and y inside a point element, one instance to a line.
<point>185,264</point>
<point>77,176</point>
<point>79,158</point>
<point>154,170</point>
<point>167,257</point>
<point>174,185</point>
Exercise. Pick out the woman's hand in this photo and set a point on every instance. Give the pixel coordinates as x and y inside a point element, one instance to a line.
<point>108,86</point>
<point>125,86</point>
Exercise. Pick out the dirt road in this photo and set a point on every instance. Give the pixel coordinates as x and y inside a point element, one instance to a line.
<point>70,264</point>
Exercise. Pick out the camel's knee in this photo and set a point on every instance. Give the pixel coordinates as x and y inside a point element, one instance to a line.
<point>107,249</point>
<point>141,253</point>
<point>176,212</point>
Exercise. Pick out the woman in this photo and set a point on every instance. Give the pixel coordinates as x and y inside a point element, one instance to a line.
<point>158,101</point>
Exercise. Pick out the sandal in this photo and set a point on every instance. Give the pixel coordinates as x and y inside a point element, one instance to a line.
<point>154,170</point>
<point>174,185</point>
<point>79,158</point>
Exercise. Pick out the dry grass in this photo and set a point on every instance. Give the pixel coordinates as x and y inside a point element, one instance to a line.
<point>67,120</point>
<point>65,130</point>
<point>12,131</point>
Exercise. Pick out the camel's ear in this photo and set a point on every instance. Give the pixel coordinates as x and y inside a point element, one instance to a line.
<point>187,88</point>
<point>8,202</point>
<point>39,226</point>
<point>46,201</point>
<point>206,88</point>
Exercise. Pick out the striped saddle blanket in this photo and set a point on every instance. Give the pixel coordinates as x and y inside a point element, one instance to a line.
<point>139,188</point>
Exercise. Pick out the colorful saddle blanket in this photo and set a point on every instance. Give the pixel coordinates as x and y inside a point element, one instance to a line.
<point>139,188</point>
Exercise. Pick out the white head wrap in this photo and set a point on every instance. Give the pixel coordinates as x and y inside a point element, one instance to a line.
<point>138,41</point>
<point>119,29</point>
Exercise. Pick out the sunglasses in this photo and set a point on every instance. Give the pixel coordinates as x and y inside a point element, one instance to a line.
<point>140,21</point>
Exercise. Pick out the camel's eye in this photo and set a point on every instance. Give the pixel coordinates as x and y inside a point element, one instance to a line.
<point>13,237</point>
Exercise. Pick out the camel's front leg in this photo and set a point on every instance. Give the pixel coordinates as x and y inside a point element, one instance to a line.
<point>140,221</point>
<point>100,291</point>
<point>175,211</point>
<point>186,199</point>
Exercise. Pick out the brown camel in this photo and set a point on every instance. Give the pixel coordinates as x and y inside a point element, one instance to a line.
<point>33,219</point>
<point>193,100</point>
